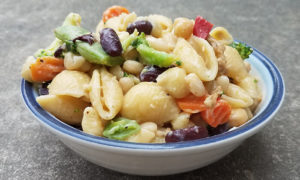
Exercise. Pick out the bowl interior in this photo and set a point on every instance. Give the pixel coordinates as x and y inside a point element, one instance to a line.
<point>270,82</point>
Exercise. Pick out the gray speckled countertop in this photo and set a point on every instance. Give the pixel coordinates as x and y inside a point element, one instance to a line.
<point>28,151</point>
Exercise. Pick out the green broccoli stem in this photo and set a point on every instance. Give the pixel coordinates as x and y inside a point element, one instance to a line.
<point>154,57</point>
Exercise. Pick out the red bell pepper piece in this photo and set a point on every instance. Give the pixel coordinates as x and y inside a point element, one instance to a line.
<point>202,27</point>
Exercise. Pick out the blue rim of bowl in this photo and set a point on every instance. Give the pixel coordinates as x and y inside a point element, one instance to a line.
<point>28,95</point>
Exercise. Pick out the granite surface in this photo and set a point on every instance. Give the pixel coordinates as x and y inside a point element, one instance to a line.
<point>28,151</point>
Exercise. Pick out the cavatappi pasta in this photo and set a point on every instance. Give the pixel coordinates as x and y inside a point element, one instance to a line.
<point>145,79</point>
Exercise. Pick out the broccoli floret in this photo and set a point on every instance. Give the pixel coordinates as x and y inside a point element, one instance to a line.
<point>243,49</point>
<point>141,39</point>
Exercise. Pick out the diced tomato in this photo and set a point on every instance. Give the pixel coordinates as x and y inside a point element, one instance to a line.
<point>202,27</point>
<point>191,103</point>
<point>113,11</point>
<point>46,68</point>
<point>217,115</point>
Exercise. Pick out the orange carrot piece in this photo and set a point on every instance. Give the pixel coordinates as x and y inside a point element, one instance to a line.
<point>191,103</point>
<point>46,68</point>
<point>217,115</point>
<point>113,11</point>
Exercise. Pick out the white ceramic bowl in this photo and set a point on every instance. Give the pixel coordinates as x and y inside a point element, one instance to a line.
<point>171,158</point>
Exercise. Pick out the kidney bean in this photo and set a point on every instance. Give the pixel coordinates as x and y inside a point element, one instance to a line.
<point>141,26</point>
<point>217,130</point>
<point>43,88</point>
<point>85,38</point>
<point>186,134</point>
<point>150,73</point>
<point>110,42</point>
<point>58,52</point>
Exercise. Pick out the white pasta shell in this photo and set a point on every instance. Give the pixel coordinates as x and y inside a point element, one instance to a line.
<point>105,94</point>
<point>91,122</point>
<point>66,108</point>
<point>165,23</point>
<point>145,135</point>
<point>237,97</point>
<point>195,85</point>
<point>173,82</point>
<point>182,121</point>
<point>120,23</point>
<point>197,57</point>
<point>73,62</point>
<point>71,83</point>
<point>165,43</point>
<point>249,84</point>
<point>148,102</point>
<point>235,67</point>
<point>222,35</point>
<point>238,117</point>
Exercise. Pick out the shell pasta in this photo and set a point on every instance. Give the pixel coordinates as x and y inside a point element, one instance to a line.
<point>145,79</point>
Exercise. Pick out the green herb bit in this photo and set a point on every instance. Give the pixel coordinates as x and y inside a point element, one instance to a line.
<point>125,74</point>
<point>179,63</point>
<point>255,81</point>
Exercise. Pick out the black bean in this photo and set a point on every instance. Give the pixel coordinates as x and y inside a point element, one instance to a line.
<point>187,134</point>
<point>141,26</point>
<point>110,42</point>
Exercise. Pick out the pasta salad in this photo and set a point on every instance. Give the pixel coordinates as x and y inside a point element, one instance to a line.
<point>145,79</point>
